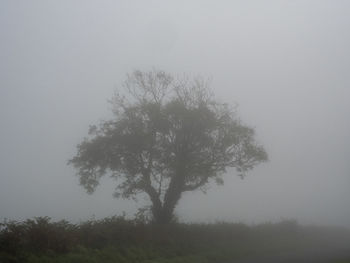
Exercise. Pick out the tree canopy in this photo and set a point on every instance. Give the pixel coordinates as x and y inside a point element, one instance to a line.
<point>168,136</point>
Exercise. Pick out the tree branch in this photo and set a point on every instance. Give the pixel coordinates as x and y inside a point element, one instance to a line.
<point>191,187</point>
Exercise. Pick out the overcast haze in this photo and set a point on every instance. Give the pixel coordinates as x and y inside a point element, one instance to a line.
<point>286,63</point>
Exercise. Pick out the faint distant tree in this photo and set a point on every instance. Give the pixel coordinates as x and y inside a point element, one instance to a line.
<point>168,136</point>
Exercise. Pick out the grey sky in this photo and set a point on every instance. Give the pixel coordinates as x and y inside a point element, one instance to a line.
<point>286,63</point>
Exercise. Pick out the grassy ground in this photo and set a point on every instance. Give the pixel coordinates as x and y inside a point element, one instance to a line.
<point>116,240</point>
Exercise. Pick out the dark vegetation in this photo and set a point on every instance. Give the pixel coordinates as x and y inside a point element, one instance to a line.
<point>117,239</point>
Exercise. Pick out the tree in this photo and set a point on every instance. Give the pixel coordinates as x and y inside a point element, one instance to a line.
<point>168,136</point>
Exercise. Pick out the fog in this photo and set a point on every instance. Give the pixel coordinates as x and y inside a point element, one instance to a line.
<point>285,63</point>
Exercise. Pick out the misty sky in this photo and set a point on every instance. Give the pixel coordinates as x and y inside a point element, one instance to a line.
<point>286,63</point>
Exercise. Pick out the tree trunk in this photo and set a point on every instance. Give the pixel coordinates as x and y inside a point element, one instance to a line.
<point>164,214</point>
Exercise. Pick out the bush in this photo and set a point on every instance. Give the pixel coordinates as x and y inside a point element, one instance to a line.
<point>116,239</point>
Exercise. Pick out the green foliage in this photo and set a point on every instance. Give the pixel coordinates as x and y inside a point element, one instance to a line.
<point>117,239</point>
<point>37,235</point>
